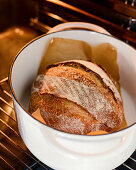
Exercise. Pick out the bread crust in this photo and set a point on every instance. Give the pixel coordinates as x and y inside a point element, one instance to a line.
<point>74,99</point>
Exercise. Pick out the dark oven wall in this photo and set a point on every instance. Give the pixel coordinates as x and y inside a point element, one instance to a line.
<point>16,12</point>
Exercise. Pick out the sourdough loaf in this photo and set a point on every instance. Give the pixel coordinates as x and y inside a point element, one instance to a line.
<point>77,96</point>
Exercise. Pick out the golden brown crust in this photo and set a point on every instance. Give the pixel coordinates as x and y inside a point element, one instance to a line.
<point>103,112</point>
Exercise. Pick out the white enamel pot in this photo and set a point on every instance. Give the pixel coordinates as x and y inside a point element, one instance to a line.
<point>63,151</point>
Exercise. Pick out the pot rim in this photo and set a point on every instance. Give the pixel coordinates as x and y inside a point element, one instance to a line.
<point>25,110</point>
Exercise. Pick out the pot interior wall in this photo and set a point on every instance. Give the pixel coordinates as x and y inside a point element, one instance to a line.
<point>26,65</point>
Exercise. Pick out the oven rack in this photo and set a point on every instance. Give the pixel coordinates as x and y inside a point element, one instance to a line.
<point>117,17</point>
<point>13,152</point>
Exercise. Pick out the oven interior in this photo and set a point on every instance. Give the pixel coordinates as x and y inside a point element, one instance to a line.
<point>23,20</point>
